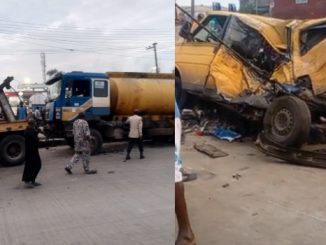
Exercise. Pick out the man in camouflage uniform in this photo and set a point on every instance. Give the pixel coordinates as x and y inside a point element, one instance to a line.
<point>82,137</point>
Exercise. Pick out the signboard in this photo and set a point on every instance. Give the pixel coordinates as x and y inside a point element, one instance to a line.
<point>301,1</point>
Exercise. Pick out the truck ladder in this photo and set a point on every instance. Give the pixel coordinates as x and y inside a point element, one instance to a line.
<point>4,103</point>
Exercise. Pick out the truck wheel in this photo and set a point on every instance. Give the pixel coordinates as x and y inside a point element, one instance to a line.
<point>12,150</point>
<point>96,142</point>
<point>183,98</point>
<point>287,121</point>
<point>178,89</point>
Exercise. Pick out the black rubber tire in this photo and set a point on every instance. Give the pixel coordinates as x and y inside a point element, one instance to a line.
<point>296,115</point>
<point>15,144</point>
<point>178,89</point>
<point>96,142</point>
<point>184,99</point>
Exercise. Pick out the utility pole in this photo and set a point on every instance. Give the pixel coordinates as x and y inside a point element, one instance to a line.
<point>157,69</point>
<point>256,6</point>
<point>193,8</point>
<point>43,64</point>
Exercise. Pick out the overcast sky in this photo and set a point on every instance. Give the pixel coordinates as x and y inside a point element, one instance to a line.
<point>84,35</point>
<point>224,3</point>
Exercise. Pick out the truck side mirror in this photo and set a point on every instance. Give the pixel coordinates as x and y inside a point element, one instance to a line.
<point>185,31</point>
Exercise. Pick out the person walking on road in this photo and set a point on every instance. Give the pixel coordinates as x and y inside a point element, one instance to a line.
<point>135,134</point>
<point>82,139</point>
<point>32,157</point>
<point>185,233</point>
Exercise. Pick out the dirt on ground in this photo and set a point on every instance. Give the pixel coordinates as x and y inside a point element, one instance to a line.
<point>249,198</point>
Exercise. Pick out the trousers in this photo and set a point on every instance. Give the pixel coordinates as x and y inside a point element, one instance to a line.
<point>83,156</point>
<point>137,141</point>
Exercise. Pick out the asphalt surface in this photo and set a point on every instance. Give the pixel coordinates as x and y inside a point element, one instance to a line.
<point>248,198</point>
<point>125,203</point>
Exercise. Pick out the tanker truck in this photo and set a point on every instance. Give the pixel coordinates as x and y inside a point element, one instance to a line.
<point>107,99</point>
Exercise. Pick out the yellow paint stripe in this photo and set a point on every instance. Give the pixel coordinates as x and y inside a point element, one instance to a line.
<point>13,126</point>
<point>69,113</point>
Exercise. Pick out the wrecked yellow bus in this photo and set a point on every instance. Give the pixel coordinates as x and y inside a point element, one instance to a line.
<point>271,70</point>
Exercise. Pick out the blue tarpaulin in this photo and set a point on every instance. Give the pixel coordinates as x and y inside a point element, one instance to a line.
<point>225,134</point>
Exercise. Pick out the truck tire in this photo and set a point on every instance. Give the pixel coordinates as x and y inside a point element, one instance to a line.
<point>183,98</point>
<point>96,142</point>
<point>287,121</point>
<point>178,89</point>
<point>12,150</point>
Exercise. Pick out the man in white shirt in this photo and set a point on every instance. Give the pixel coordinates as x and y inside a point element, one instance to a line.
<point>37,116</point>
<point>135,133</point>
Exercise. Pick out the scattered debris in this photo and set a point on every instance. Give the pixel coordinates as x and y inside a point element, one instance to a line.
<point>204,119</point>
<point>226,134</point>
<point>244,168</point>
<point>303,156</point>
<point>198,132</point>
<point>251,154</point>
<point>236,176</point>
<point>188,114</point>
<point>189,130</point>
<point>186,176</point>
<point>226,185</point>
<point>111,172</point>
<point>210,150</point>
<point>254,214</point>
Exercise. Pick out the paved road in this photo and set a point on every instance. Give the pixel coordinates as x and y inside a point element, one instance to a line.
<point>125,203</point>
<point>269,202</point>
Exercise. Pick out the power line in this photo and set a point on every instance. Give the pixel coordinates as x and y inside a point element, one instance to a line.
<point>75,27</point>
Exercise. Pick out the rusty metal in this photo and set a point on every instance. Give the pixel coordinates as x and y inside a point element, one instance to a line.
<point>152,94</point>
<point>304,157</point>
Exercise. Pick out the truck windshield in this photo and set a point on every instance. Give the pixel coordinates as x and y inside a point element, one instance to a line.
<point>54,90</point>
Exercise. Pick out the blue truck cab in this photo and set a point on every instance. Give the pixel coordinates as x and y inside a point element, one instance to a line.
<point>72,93</point>
<point>75,92</point>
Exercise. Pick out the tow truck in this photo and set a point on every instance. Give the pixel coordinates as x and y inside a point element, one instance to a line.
<point>12,142</point>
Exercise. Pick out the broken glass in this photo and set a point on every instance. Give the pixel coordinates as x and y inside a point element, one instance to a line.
<point>311,37</point>
<point>215,25</point>
<point>251,45</point>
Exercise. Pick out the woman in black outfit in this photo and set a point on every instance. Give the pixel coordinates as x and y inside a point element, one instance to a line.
<point>32,156</point>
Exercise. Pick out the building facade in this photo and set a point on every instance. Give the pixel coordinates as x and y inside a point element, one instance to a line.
<point>260,7</point>
<point>298,9</point>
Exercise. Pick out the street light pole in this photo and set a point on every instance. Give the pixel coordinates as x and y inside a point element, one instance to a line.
<point>43,64</point>
<point>193,8</point>
<point>256,6</point>
<point>155,56</point>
